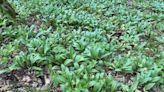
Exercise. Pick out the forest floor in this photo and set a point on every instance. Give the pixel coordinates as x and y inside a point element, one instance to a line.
<point>82,46</point>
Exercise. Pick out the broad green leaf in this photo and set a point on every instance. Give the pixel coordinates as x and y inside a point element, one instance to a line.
<point>134,85</point>
<point>149,86</point>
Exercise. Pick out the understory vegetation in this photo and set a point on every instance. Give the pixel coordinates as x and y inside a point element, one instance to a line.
<point>83,46</point>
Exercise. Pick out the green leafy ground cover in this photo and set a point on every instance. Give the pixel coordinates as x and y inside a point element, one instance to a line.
<point>86,45</point>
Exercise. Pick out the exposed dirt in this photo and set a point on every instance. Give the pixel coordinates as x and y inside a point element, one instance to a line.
<point>23,81</point>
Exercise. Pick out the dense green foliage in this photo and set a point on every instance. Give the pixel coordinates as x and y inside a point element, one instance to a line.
<point>88,45</point>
